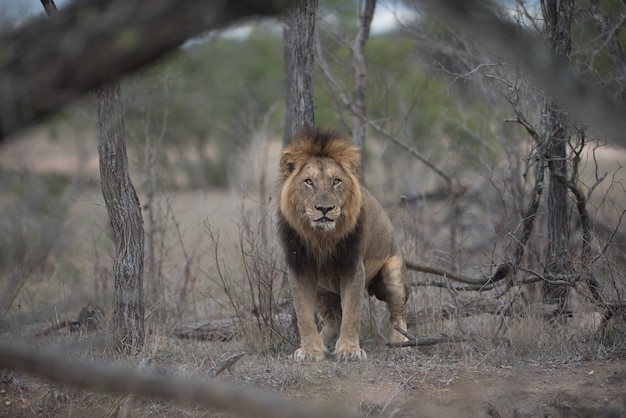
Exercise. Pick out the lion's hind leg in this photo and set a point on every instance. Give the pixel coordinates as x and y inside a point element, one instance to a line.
<point>393,288</point>
<point>329,309</point>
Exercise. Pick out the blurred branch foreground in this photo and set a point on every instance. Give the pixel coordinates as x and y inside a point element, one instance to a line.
<point>227,397</point>
<point>48,63</point>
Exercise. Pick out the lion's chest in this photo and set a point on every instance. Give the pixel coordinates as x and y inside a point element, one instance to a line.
<point>327,262</point>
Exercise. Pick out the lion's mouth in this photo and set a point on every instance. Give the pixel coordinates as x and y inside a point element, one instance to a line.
<point>323,223</point>
<point>324,219</point>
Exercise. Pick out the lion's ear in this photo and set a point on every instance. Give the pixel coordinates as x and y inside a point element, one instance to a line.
<point>287,166</point>
<point>354,162</point>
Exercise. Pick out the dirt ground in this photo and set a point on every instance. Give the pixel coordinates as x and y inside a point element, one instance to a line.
<point>393,382</point>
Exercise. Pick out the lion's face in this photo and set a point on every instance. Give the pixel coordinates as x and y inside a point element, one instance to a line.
<point>321,196</point>
<point>321,191</point>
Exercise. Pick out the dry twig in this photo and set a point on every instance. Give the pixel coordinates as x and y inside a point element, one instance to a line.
<point>423,341</point>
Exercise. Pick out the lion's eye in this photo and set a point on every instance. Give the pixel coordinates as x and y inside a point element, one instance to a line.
<point>336,182</point>
<point>309,182</point>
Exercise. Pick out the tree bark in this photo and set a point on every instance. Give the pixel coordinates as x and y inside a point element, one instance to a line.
<point>288,80</point>
<point>359,122</point>
<point>558,21</point>
<point>125,214</point>
<point>300,41</point>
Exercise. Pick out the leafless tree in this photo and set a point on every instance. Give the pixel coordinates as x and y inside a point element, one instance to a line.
<point>125,214</point>
<point>554,139</point>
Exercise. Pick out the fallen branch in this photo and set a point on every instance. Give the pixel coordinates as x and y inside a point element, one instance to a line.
<point>225,365</point>
<point>114,379</point>
<point>226,328</point>
<point>216,330</point>
<point>423,341</point>
<point>91,317</point>
<point>426,341</point>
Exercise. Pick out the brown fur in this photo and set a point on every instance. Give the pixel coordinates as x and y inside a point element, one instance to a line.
<point>338,241</point>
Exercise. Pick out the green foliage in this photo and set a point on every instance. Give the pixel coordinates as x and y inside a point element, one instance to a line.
<point>206,102</point>
<point>214,90</point>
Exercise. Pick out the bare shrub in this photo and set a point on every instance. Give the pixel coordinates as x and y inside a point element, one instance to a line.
<point>256,293</point>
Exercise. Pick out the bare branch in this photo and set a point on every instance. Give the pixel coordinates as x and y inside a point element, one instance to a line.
<point>336,91</point>
<point>502,272</point>
<point>49,7</point>
<point>414,152</point>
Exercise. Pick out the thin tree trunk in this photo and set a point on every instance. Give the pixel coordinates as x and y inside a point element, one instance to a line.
<point>299,39</point>
<point>558,20</point>
<point>287,133</point>
<point>359,122</point>
<point>125,213</point>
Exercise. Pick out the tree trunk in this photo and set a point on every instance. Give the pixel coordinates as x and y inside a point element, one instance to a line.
<point>301,59</point>
<point>360,80</point>
<point>125,213</point>
<point>558,20</point>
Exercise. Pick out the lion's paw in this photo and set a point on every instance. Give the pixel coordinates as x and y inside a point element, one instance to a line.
<point>349,352</point>
<point>303,354</point>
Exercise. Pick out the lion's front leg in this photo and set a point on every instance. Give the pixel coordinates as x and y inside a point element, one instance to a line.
<point>348,346</point>
<point>303,290</point>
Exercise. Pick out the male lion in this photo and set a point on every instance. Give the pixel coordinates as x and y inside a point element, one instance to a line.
<point>338,241</point>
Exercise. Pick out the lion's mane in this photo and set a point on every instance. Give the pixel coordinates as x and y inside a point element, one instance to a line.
<point>326,144</point>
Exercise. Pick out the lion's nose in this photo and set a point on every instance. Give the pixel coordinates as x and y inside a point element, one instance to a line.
<point>324,209</point>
